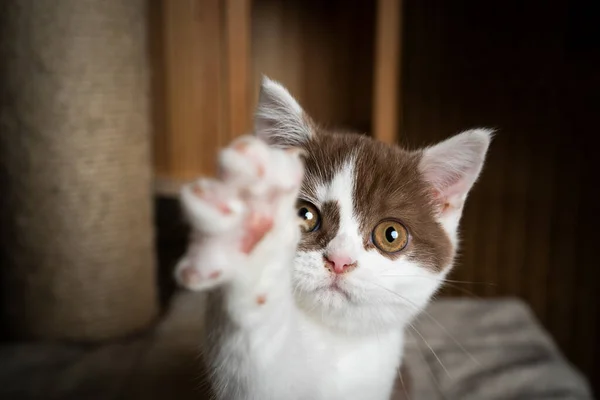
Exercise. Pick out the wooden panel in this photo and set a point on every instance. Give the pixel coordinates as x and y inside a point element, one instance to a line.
<point>193,104</point>
<point>202,83</point>
<point>387,69</point>
<point>238,34</point>
<point>529,226</point>
<point>322,52</point>
<point>210,56</point>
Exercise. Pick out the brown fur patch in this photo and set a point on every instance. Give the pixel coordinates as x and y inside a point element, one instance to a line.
<point>388,184</point>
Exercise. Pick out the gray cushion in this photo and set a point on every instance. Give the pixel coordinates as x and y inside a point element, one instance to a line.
<point>499,351</point>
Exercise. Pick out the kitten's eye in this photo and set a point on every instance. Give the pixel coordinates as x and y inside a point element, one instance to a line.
<point>390,236</point>
<point>309,216</point>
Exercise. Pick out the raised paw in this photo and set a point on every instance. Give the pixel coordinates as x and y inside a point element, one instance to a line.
<point>252,166</point>
<point>231,216</point>
<point>211,206</point>
<point>256,226</point>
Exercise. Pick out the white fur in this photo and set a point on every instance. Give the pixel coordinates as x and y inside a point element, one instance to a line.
<point>339,190</point>
<point>306,341</point>
<point>279,120</point>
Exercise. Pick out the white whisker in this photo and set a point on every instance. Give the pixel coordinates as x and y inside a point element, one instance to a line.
<point>437,384</point>
<point>430,349</point>
<point>399,373</point>
<point>437,279</point>
<point>417,308</point>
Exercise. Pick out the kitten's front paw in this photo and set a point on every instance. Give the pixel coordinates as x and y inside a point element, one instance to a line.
<point>253,197</point>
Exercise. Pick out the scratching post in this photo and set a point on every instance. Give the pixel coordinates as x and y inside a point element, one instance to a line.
<point>76,234</point>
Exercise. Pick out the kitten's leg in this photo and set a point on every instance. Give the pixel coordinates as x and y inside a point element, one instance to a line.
<point>245,228</point>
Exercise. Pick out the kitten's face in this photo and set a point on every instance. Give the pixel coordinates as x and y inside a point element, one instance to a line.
<point>368,206</point>
<point>379,223</point>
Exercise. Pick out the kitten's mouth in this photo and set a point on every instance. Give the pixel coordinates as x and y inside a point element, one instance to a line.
<point>336,288</point>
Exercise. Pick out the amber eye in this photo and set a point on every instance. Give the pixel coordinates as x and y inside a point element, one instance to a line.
<point>390,236</point>
<point>309,216</point>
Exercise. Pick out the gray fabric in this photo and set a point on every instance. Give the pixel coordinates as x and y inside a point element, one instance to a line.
<point>502,353</point>
<point>491,349</point>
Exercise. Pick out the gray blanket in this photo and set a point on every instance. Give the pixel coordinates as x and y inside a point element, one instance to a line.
<point>488,349</point>
<point>492,349</point>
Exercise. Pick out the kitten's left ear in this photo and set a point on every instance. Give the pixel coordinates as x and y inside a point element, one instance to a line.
<point>279,120</point>
<point>453,166</point>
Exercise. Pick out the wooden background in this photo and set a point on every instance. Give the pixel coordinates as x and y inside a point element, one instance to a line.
<point>528,69</point>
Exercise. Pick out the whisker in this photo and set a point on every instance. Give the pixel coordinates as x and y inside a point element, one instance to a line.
<point>449,282</point>
<point>437,384</point>
<point>437,279</point>
<point>452,337</point>
<point>464,290</point>
<point>399,373</point>
<point>432,319</point>
<point>430,349</point>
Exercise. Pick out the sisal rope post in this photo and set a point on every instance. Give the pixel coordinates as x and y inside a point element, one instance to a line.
<point>76,232</point>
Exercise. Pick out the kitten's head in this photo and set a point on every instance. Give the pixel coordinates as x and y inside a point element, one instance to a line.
<point>379,222</point>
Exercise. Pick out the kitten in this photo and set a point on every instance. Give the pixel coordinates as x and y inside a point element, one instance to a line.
<point>322,247</point>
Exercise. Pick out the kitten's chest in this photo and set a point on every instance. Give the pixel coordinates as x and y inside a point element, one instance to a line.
<point>359,368</point>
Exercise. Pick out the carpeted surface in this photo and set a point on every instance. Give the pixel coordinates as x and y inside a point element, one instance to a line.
<point>489,349</point>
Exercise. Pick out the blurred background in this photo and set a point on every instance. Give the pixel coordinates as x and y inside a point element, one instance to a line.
<point>108,106</point>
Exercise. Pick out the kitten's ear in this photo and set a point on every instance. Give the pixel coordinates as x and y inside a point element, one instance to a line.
<point>279,120</point>
<point>453,166</point>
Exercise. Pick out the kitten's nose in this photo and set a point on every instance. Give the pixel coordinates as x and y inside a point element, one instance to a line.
<point>339,264</point>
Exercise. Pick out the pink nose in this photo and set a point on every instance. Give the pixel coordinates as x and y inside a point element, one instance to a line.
<point>339,264</point>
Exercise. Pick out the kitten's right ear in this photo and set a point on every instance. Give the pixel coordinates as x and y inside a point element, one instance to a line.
<point>279,120</point>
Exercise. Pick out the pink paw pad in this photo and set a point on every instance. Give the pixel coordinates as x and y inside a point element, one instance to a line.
<point>257,226</point>
<point>214,275</point>
<point>190,276</point>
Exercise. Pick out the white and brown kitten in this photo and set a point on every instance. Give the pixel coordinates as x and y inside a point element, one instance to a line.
<point>321,247</point>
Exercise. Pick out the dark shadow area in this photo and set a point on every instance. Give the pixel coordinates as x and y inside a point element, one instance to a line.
<point>171,240</point>
<point>531,70</point>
